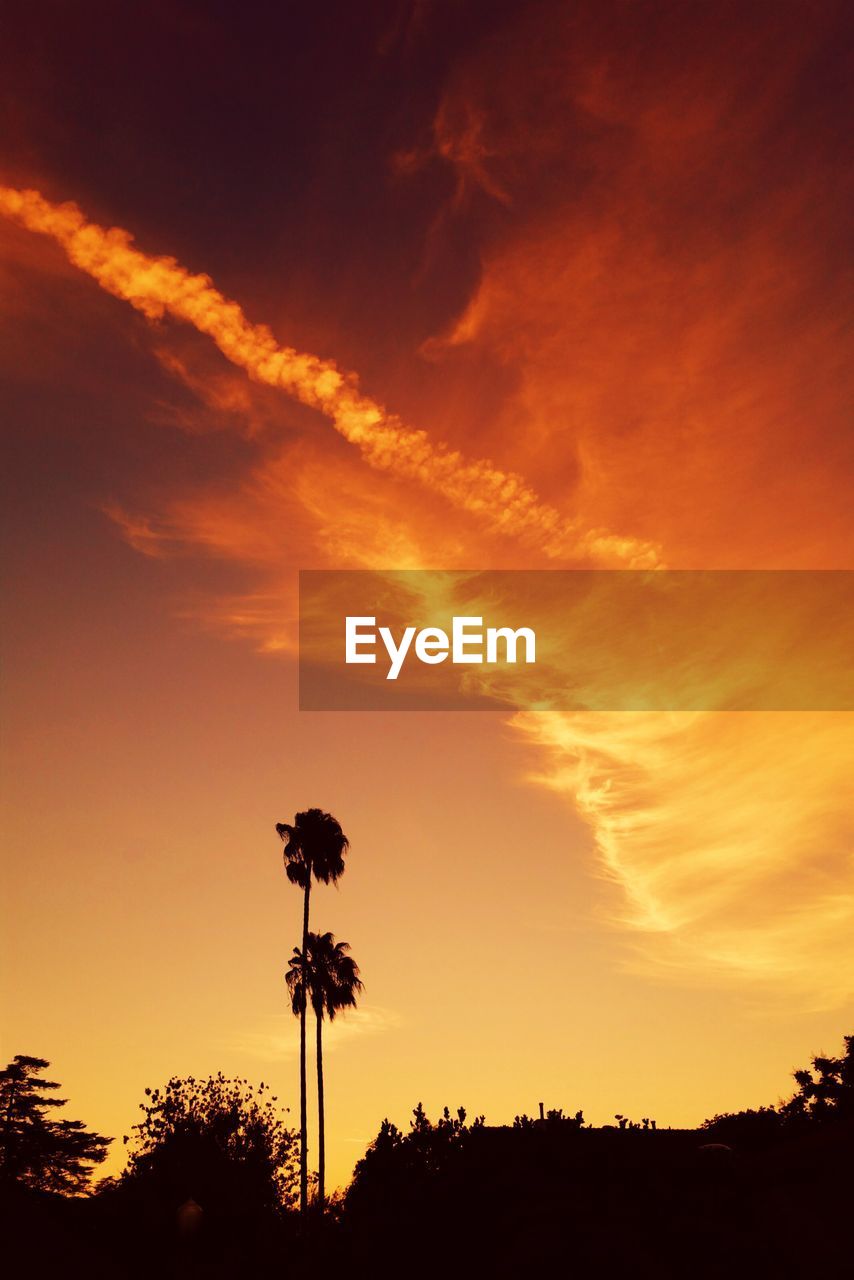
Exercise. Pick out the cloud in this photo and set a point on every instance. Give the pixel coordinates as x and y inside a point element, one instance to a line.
<point>729,834</point>
<point>279,1037</point>
<point>670,289</point>
<point>660,280</point>
<point>501,501</point>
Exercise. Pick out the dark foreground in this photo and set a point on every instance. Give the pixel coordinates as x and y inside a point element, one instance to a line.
<point>506,1202</point>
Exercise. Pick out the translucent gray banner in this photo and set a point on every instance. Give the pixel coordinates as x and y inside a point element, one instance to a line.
<point>570,640</point>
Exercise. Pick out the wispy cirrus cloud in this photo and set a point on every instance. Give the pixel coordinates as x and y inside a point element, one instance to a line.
<point>730,835</point>
<point>279,1037</point>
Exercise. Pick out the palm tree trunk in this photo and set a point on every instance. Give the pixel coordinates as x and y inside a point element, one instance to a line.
<point>321,1132</point>
<point>303,1121</point>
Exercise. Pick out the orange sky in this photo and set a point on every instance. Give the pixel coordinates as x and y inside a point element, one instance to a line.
<point>589,264</point>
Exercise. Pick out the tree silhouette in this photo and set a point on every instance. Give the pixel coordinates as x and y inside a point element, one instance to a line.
<point>405,1165</point>
<point>331,977</point>
<point>222,1142</point>
<point>825,1090</point>
<point>825,1096</point>
<point>38,1151</point>
<point>315,847</point>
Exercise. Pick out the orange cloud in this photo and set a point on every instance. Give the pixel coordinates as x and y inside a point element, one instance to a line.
<point>500,500</point>
<point>667,305</point>
<point>670,302</point>
<point>670,291</point>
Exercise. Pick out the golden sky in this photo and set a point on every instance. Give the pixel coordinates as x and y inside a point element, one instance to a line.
<point>564,286</point>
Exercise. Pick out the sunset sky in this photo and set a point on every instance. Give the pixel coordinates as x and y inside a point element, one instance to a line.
<point>415,285</point>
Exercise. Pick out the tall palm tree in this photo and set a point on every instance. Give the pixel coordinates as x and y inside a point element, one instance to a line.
<point>315,847</point>
<point>331,977</point>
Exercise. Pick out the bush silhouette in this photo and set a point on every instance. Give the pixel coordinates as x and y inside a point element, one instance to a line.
<point>221,1143</point>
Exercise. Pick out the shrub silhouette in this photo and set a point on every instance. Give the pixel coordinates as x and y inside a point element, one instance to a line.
<point>221,1143</point>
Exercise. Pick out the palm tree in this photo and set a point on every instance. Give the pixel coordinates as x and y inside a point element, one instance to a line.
<point>333,984</point>
<point>315,846</point>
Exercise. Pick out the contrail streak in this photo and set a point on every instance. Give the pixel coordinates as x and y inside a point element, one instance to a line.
<point>501,501</point>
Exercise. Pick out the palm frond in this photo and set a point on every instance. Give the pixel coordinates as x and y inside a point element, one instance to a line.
<point>315,845</point>
<point>294,981</point>
<point>331,976</point>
